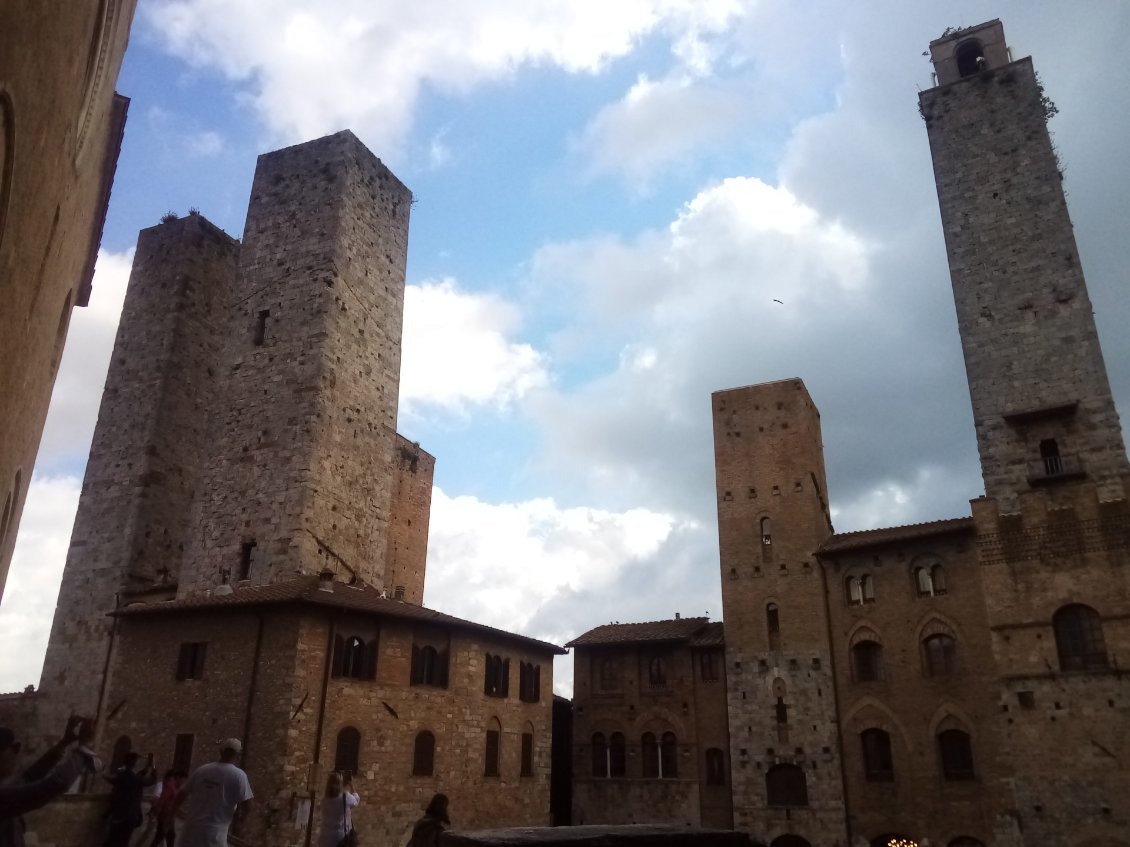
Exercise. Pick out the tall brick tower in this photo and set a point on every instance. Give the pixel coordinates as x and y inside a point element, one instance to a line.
<point>1053,531</point>
<point>305,444</point>
<point>772,516</point>
<point>1041,400</point>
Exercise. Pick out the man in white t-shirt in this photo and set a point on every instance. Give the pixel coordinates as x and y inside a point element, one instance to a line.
<point>216,794</point>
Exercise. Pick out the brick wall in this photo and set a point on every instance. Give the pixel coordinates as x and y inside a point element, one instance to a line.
<point>411,515</point>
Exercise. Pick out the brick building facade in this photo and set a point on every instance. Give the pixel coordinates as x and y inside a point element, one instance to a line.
<point>956,682</point>
<point>249,551</point>
<point>61,126</point>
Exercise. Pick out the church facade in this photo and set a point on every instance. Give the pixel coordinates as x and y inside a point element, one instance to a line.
<point>956,682</point>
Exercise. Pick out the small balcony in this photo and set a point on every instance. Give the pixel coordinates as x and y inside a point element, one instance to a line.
<point>1050,469</point>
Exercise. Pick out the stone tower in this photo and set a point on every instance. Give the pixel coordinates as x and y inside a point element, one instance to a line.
<point>1053,531</point>
<point>305,442</point>
<point>149,450</point>
<point>1041,400</point>
<point>772,516</point>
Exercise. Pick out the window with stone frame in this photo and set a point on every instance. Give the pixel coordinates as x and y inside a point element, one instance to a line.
<point>878,764</point>
<point>715,766</point>
<point>347,752</point>
<point>497,676</point>
<point>786,786</point>
<point>867,661</point>
<point>424,754</point>
<point>182,752</point>
<point>430,657</point>
<point>955,752</point>
<point>609,679</point>
<point>1079,639</point>
<point>493,753</point>
<point>766,532</point>
<point>190,660</point>
<point>529,683</point>
<point>859,589</point>
<point>657,672</point>
<point>599,755</point>
<point>929,579</point>
<point>939,654</point>
<point>527,762</point>
<point>708,662</point>
<point>353,657</point>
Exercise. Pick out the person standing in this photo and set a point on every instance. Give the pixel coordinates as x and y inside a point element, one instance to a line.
<point>163,807</point>
<point>337,819</point>
<point>213,796</point>
<point>125,799</point>
<point>427,830</point>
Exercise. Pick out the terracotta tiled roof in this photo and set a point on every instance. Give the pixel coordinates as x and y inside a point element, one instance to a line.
<point>868,537</point>
<point>305,589</point>
<point>679,629</point>
<point>710,635</point>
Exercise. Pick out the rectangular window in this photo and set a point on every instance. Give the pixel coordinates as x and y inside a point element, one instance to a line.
<point>182,752</point>
<point>190,660</point>
<point>492,753</point>
<point>527,754</point>
<point>246,559</point>
<point>261,327</point>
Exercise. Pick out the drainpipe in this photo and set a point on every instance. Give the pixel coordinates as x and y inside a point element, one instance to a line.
<point>835,697</point>
<point>321,722</point>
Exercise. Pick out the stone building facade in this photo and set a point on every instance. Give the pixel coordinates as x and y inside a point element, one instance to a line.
<point>957,682</point>
<point>61,126</point>
<point>649,725</point>
<point>249,551</point>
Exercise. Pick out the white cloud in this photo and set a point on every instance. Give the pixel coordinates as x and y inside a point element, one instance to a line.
<point>82,372</point>
<point>33,580</point>
<point>659,122</point>
<point>458,352</point>
<point>205,144</point>
<point>439,154</point>
<point>362,64</point>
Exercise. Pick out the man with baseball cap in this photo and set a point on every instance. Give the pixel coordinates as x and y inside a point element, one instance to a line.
<point>216,794</point>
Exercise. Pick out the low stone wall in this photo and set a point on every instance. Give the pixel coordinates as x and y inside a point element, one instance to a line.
<point>637,835</point>
<point>73,820</point>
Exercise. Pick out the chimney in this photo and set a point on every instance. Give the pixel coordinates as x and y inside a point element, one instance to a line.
<point>678,616</point>
<point>326,581</point>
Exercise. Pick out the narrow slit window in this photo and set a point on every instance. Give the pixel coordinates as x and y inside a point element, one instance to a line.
<point>246,559</point>
<point>261,327</point>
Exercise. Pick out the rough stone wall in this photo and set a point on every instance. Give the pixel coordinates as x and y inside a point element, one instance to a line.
<point>264,675</point>
<point>693,710</point>
<point>769,464</point>
<point>149,445</point>
<point>908,703</point>
<point>60,127</point>
<point>1026,321</point>
<point>1063,731</point>
<point>411,515</point>
<point>305,443</point>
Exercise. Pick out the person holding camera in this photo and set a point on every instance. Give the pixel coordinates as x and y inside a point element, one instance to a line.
<point>125,799</point>
<point>51,775</point>
<point>337,818</point>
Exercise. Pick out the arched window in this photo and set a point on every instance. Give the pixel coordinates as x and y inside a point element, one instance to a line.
<point>860,589</point>
<point>956,754</point>
<point>867,661</point>
<point>617,755</point>
<point>424,754</point>
<point>715,766</point>
<point>766,531</point>
<point>785,785</point>
<point>929,580</point>
<point>970,57</point>
<point>939,654</point>
<point>868,588</point>
<point>527,766</point>
<point>609,675</point>
<point>348,750</point>
<point>599,755</point>
<point>429,666</point>
<point>353,658</point>
<point>773,624</point>
<point>1079,638</point>
<point>878,765</point>
<point>657,672</point>
<point>493,753</point>
<point>497,676</point>
<point>650,749</point>
<point>529,681</point>
<point>668,756</point>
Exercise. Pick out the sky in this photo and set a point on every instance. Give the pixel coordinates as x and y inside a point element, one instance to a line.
<point>611,199</point>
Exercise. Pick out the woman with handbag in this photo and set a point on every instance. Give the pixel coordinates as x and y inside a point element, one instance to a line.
<point>337,819</point>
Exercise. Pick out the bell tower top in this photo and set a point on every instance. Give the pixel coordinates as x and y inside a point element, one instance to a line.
<point>965,52</point>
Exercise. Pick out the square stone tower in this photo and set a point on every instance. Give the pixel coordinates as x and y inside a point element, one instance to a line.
<point>1041,400</point>
<point>772,516</point>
